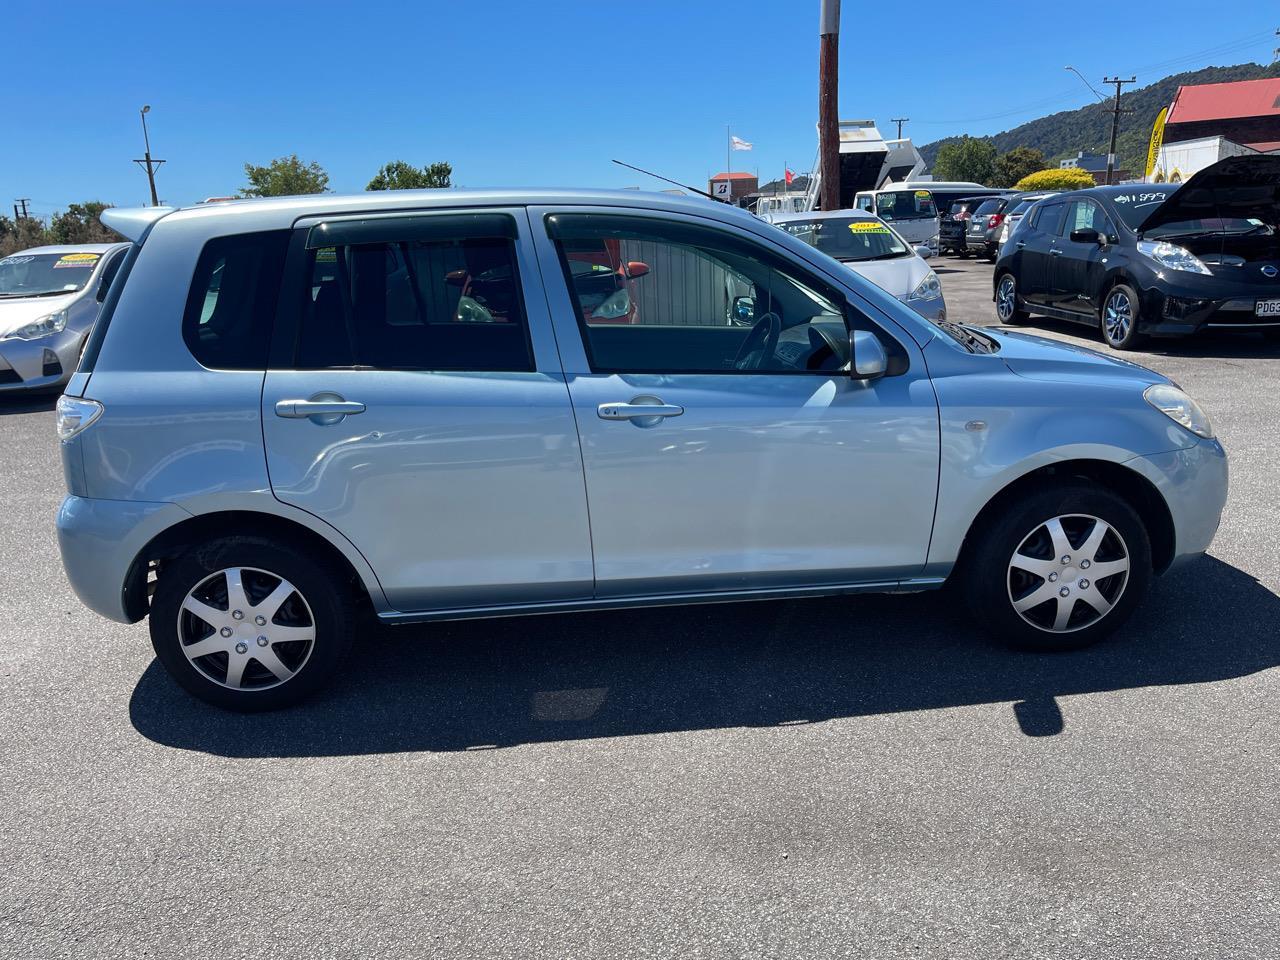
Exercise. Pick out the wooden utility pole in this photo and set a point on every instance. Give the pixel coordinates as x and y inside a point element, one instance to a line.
<point>828,104</point>
<point>1115,124</point>
<point>900,121</point>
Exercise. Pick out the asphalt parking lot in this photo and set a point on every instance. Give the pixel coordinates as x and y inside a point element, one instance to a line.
<point>848,777</point>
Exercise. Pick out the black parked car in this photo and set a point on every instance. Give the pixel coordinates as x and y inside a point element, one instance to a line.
<point>953,226</point>
<point>1152,259</point>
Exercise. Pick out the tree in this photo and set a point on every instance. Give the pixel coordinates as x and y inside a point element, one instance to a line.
<point>22,234</point>
<point>398,175</point>
<point>1016,164</point>
<point>968,158</point>
<point>284,177</point>
<point>1056,178</point>
<point>81,224</point>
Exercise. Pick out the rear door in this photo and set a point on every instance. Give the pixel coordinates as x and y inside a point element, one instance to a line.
<point>1037,243</point>
<point>415,402</point>
<point>1078,269</point>
<point>763,465</point>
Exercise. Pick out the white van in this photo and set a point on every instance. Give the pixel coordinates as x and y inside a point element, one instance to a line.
<point>914,206</point>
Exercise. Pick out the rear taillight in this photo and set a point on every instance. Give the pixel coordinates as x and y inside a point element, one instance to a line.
<point>995,220</point>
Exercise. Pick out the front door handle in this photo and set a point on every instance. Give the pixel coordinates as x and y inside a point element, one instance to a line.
<point>322,408</point>
<point>1055,252</point>
<point>642,411</point>
<point>1021,244</point>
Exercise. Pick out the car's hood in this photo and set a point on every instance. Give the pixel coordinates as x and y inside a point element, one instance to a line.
<point>897,277</point>
<point>1245,187</point>
<point>1039,358</point>
<point>20,312</point>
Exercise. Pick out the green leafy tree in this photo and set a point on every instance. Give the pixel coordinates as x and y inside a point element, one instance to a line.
<point>968,158</point>
<point>21,235</point>
<point>81,224</point>
<point>284,177</point>
<point>1056,178</point>
<point>1016,164</point>
<point>398,175</point>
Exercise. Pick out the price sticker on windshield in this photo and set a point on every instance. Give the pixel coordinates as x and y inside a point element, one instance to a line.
<point>77,260</point>
<point>868,226</point>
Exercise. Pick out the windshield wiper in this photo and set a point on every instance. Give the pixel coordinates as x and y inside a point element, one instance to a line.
<point>42,293</point>
<point>971,341</point>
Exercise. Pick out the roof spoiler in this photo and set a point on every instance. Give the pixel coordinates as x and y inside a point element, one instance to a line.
<point>133,222</point>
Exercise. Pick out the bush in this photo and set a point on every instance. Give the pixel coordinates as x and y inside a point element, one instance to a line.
<point>1057,178</point>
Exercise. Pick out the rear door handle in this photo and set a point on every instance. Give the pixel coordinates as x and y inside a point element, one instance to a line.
<point>331,409</point>
<point>641,408</point>
<point>1055,252</point>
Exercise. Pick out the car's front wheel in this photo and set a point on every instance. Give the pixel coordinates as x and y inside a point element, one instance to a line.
<point>1060,569</point>
<point>1120,318</point>
<point>1007,308</point>
<point>248,624</point>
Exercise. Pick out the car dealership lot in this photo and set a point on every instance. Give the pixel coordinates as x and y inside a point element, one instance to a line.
<point>820,778</point>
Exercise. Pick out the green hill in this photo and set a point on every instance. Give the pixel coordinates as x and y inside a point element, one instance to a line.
<point>1062,135</point>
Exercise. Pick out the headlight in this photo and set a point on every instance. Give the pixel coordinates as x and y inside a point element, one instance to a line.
<point>1172,256</point>
<point>74,414</point>
<point>928,289</point>
<point>1180,408</point>
<point>53,323</point>
<point>614,307</point>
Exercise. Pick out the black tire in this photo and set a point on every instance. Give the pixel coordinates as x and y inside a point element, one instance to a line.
<point>1130,339</point>
<point>991,583</point>
<point>323,595</point>
<point>1010,312</point>
<point>993,255</point>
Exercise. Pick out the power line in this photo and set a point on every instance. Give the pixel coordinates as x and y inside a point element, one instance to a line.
<point>1115,123</point>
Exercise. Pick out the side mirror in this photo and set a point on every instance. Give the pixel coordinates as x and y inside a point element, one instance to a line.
<point>456,278</point>
<point>924,251</point>
<point>103,287</point>
<point>1085,236</point>
<point>869,359</point>
<point>744,309</point>
<point>635,269</point>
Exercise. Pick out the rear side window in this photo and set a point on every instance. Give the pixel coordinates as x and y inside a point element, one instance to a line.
<point>232,303</point>
<point>1048,218</point>
<point>423,296</point>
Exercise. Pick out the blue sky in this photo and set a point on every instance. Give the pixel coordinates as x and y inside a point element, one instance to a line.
<point>541,92</point>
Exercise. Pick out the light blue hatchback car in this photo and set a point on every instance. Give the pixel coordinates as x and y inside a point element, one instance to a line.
<point>445,404</point>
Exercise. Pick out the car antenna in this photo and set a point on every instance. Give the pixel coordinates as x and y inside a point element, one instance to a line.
<point>649,173</point>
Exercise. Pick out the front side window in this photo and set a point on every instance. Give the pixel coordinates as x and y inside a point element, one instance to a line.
<point>906,205</point>
<point>231,304</point>
<point>655,296</point>
<point>1086,215</point>
<point>848,238</point>
<point>420,302</point>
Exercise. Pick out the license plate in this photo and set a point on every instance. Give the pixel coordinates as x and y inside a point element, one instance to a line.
<point>976,230</point>
<point>1268,308</point>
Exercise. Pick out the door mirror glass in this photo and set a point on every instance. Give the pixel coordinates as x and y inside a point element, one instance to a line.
<point>1088,235</point>
<point>636,269</point>
<point>924,252</point>
<point>869,359</point>
<point>744,309</point>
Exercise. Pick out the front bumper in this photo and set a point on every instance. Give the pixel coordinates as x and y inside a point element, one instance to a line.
<point>1196,303</point>
<point>99,541</point>
<point>34,364</point>
<point>1194,483</point>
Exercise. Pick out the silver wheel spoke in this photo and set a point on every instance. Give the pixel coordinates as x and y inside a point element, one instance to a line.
<point>1089,549</point>
<point>267,657</point>
<point>210,615</point>
<point>1108,568</point>
<point>235,669</point>
<point>202,648</point>
<point>236,597</point>
<point>272,603</point>
<point>1046,591</point>
<point>280,634</point>
<point>1061,545</point>
<point>1063,616</point>
<point>1041,568</point>
<point>1095,599</point>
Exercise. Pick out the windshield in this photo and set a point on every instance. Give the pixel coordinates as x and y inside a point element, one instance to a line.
<point>41,274</point>
<point>847,238</point>
<point>989,207</point>
<point>906,205</point>
<point>1136,205</point>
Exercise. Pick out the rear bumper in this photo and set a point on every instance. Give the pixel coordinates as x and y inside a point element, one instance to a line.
<point>99,540</point>
<point>1194,483</point>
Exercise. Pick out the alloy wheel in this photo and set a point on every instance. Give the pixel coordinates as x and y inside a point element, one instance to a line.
<point>1006,297</point>
<point>246,629</point>
<point>1068,573</point>
<point>1117,316</point>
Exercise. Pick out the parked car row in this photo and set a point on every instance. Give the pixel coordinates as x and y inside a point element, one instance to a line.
<point>443,404</point>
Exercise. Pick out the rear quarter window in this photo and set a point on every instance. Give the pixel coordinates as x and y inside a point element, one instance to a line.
<point>232,302</point>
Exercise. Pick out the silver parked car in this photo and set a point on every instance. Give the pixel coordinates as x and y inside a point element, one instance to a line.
<point>445,404</point>
<point>49,299</point>
<point>869,247</point>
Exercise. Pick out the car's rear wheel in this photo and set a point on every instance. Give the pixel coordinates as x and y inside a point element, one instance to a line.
<point>1060,569</point>
<point>247,624</point>
<point>1007,308</point>
<point>1120,318</point>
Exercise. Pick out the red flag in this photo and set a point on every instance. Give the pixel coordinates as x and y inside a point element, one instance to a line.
<point>788,176</point>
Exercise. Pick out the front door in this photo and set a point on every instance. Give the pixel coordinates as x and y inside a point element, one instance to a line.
<point>725,448</point>
<point>415,402</point>
<point>1077,272</point>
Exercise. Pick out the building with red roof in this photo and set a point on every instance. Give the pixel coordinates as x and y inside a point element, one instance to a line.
<point>734,187</point>
<point>1246,112</point>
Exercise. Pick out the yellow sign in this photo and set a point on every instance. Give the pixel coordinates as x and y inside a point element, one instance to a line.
<point>77,260</point>
<point>867,226</point>
<point>1157,138</point>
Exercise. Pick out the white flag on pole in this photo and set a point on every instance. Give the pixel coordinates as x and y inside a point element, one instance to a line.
<point>739,144</point>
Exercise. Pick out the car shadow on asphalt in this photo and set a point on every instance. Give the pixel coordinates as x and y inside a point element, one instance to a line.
<point>27,402</point>
<point>498,683</point>
<point>1214,344</point>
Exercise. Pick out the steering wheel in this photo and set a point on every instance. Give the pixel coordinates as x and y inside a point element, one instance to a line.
<point>828,352</point>
<point>760,343</point>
